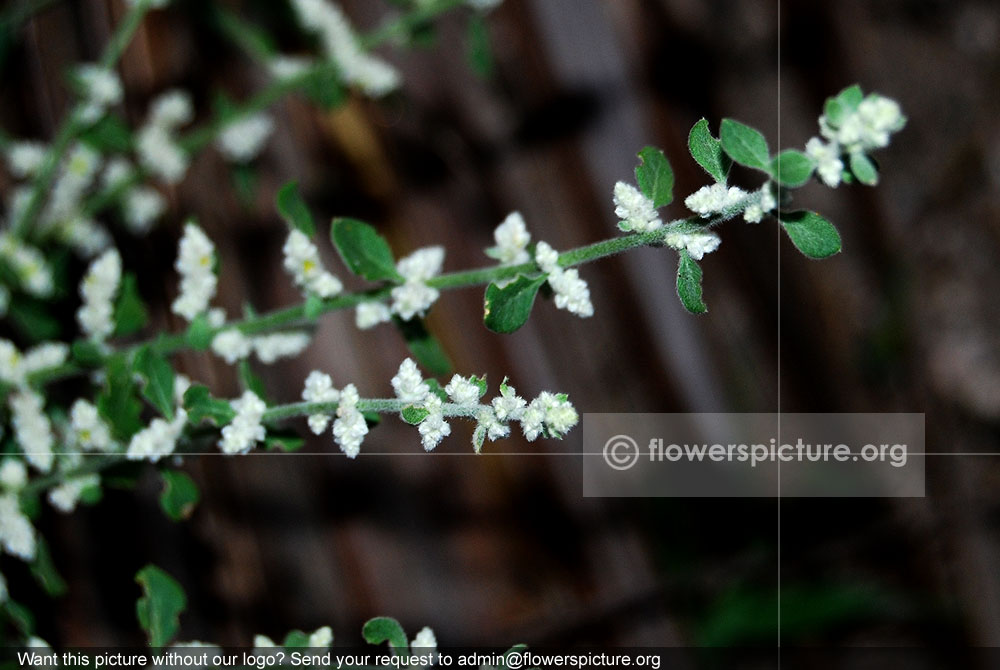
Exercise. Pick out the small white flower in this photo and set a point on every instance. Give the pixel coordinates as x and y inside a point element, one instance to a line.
<point>88,429</point>
<point>714,199</point>
<point>102,87</point>
<point>17,535</point>
<point>25,158</point>
<point>270,348</point>
<point>550,412</point>
<point>433,428</point>
<point>245,430</point>
<point>868,127</point>
<point>424,642</point>
<point>696,243</point>
<point>512,240</point>
<point>829,167</point>
<point>765,203</point>
<point>422,264</point>
<point>413,299</point>
<point>319,388</point>
<point>32,429</point>
<point>160,154</point>
<point>546,257</point>
<point>321,638</point>
<point>44,356</point>
<point>302,261</point>
<point>117,171</point>
<point>29,264</point>
<point>635,211</point>
<point>195,264</point>
<point>289,67</point>
<point>349,429</point>
<point>66,495</point>
<point>216,317</point>
<point>232,345</point>
<point>508,406</point>
<point>491,425</point>
<point>158,439</point>
<point>572,292</point>
<point>243,139</point>
<point>141,207</point>
<point>370,314</point>
<point>463,391</point>
<point>87,237</point>
<point>13,474</point>
<point>409,385</point>
<point>171,110</point>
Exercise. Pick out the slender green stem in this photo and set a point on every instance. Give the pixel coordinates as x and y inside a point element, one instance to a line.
<point>405,24</point>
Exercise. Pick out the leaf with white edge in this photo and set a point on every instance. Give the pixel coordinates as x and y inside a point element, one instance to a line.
<point>200,404</point>
<point>813,235</point>
<point>158,377</point>
<point>414,415</point>
<point>864,169</point>
<point>480,383</point>
<point>293,209</point>
<point>508,308</point>
<point>792,168</point>
<point>707,152</point>
<point>130,311</point>
<point>689,284</point>
<point>180,495</point>
<point>365,252</point>
<point>385,629</point>
<point>160,606</point>
<point>655,177</point>
<point>744,144</point>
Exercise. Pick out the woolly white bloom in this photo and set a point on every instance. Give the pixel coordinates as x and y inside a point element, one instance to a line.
<point>89,430</point>
<point>245,429</point>
<point>512,240</point>
<point>303,263</point>
<point>548,412</point>
<point>490,426</point>
<point>32,429</point>
<point>141,208</point>
<point>829,167</point>
<point>98,289</point>
<point>463,391</point>
<point>15,366</point>
<point>321,638</point>
<point>16,532</point>
<point>764,204</point>
<point>433,428</point>
<point>572,292</point>
<point>713,199</point>
<point>370,314</point>
<point>697,243</point>
<point>160,154</point>
<point>270,348</point>
<point>102,87</point>
<point>66,495</point>
<point>216,317</point>
<point>289,67</point>
<point>10,363</point>
<point>76,174</point>
<point>866,128</point>
<point>158,439</point>
<point>13,474</point>
<point>244,138</point>
<point>508,406</point>
<point>232,345</point>
<point>25,158</point>
<point>195,261</point>
<point>635,211</point>
<point>424,642</point>
<point>349,429</point>
<point>87,237</point>
<point>415,297</point>
<point>28,264</point>
<point>319,388</point>
<point>117,171</point>
<point>171,110</point>
<point>546,257</point>
<point>409,385</point>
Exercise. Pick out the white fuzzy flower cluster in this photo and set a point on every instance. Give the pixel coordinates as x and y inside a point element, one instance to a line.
<point>635,211</point>
<point>67,494</point>
<point>302,261</point>
<point>156,143</point>
<point>87,429</point>
<point>571,292</point>
<point>158,439</point>
<point>350,428</point>
<point>15,367</point>
<point>232,345</point>
<point>550,414</point>
<point>245,430</point>
<point>696,243</point>
<point>101,89</point>
<point>410,388</point>
<point>372,75</point>
<point>17,535</point>
<point>321,638</point>
<point>370,314</point>
<point>424,644</point>
<point>716,199</point>
<point>414,297</point>
<point>763,202</point>
<point>13,474</point>
<point>465,392</point>
<point>32,429</point>
<point>512,238</point>
<point>319,388</point>
<point>408,384</point>
<point>25,158</point>
<point>28,264</point>
<point>196,265</point>
<point>85,236</point>
<point>98,290</point>
<point>243,139</point>
<point>829,167</point>
<point>289,67</point>
<point>77,173</point>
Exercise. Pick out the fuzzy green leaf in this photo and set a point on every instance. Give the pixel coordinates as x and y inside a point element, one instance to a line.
<point>284,441</point>
<point>200,333</point>
<point>130,311</point>
<point>118,403</point>
<point>744,144</point>
<point>293,209</point>
<point>508,308</point>
<point>250,380</point>
<point>414,415</point>
<point>707,151</point>
<point>160,606</point>
<point>385,629</point>
<point>87,353</point>
<point>313,307</point>
<point>365,252</point>
<point>43,569</point>
<point>200,404</point>
<point>424,346</point>
<point>655,176</point>
<point>158,377</point>
<point>689,284</point>
<point>792,168</point>
<point>480,55</point>
<point>864,169</point>
<point>813,235</point>
<point>180,495</point>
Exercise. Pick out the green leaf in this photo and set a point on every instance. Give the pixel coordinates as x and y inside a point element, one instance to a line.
<point>283,440</point>
<point>313,307</point>
<point>707,152</point>
<point>110,135</point>
<point>850,98</point>
<point>792,168</point>
<point>160,606</point>
<point>480,55</point>
<point>689,284</point>
<point>864,169</point>
<point>744,144</point>
<point>20,616</point>
<point>655,177</point>
<point>33,318</point>
<point>365,252</point>
<point>296,639</point>
<point>130,311</point>
<point>87,353</point>
<point>324,88</point>
<point>180,495</point>
<point>414,415</point>
<point>244,178</point>
<point>118,403</point>
<point>158,375</point>
<point>508,308</point>
<point>200,404</point>
<point>425,348</point>
<point>294,211</point>
<point>435,387</point>
<point>91,494</point>
<point>385,629</point>
<point>199,334</point>
<point>43,569</point>
<point>250,380</point>
<point>813,235</point>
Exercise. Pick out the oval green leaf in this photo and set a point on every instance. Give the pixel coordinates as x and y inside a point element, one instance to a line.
<point>811,234</point>
<point>158,376</point>
<point>655,176</point>
<point>365,252</point>
<point>689,284</point>
<point>707,151</point>
<point>864,169</point>
<point>160,606</point>
<point>744,144</point>
<point>792,168</point>
<point>508,308</point>
<point>180,495</point>
<point>385,629</point>
<point>293,209</point>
